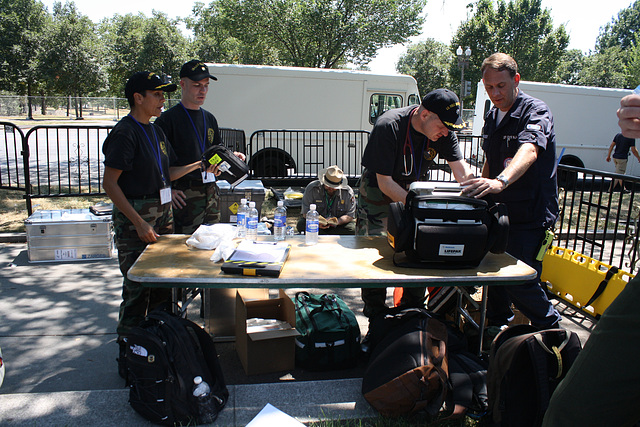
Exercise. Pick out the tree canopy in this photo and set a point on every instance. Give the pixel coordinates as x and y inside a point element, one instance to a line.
<point>428,62</point>
<point>309,33</point>
<point>520,28</point>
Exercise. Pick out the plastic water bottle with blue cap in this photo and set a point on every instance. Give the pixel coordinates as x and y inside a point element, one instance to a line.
<point>313,225</point>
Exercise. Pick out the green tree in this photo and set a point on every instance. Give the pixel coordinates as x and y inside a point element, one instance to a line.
<point>70,58</point>
<point>620,32</point>
<point>213,42</point>
<point>605,69</point>
<point>163,47</point>
<point>571,66</point>
<point>122,38</point>
<point>316,33</point>
<point>520,28</point>
<point>138,43</point>
<point>22,24</point>
<point>428,62</point>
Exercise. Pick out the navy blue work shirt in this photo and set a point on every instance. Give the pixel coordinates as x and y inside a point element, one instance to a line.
<point>532,200</point>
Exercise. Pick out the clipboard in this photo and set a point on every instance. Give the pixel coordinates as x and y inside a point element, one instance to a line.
<point>257,259</point>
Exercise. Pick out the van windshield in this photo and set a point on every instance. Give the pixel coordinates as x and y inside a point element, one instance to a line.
<point>381,102</point>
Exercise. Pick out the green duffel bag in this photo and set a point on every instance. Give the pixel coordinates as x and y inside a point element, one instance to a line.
<point>329,333</point>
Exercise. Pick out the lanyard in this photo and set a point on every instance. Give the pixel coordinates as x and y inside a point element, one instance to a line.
<point>409,140</point>
<point>202,140</point>
<point>329,202</point>
<point>155,150</point>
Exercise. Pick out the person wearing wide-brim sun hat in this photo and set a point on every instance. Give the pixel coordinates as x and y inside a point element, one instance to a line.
<point>335,202</point>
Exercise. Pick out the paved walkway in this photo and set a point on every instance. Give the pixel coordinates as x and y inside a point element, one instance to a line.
<point>58,342</point>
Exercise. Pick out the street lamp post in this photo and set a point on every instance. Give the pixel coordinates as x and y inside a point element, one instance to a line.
<point>463,61</point>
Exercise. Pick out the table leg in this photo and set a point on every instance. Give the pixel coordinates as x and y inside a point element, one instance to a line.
<point>483,316</point>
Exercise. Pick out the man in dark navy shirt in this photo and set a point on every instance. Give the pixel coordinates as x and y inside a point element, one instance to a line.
<point>519,171</point>
<point>620,147</point>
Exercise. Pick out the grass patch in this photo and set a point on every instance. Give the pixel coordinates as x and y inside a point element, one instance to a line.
<point>13,207</point>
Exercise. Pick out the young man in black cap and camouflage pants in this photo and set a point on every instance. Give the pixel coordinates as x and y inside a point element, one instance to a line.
<point>137,178</point>
<point>402,147</point>
<point>191,130</point>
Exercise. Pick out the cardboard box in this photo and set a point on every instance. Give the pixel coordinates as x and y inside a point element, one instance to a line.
<point>220,310</point>
<point>68,235</point>
<point>250,189</point>
<point>266,351</point>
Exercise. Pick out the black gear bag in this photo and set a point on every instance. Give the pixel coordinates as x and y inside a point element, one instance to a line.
<point>525,367</point>
<point>164,355</point>
<point>446,231</point>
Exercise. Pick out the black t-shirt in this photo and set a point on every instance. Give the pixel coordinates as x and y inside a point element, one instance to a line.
<point>134,151</point>
<point>185,130</point>
<point>622,147</point>
<point>388,151</point>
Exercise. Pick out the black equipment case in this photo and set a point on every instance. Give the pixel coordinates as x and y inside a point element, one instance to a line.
<point>439,227</point>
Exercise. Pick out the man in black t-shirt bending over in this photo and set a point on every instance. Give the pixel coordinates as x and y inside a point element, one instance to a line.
<point>402,147</point>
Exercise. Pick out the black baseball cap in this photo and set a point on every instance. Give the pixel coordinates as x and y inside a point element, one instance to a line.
<point>446,105</point>
<point>145,80</point>
<point>195,70</point>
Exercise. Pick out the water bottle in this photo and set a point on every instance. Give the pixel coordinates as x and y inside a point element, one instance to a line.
<point>202,392</point>
<point>252,223</point>
<point>241,219</point>
<point>311,231</point>
<point>279,221</point>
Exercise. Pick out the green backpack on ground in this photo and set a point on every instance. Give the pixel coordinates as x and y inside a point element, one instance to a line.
<point>329,333</point>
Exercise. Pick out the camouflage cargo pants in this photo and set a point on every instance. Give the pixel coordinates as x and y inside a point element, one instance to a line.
<point>202,207</point>
<point>137,299</point>
<point>372,213</point>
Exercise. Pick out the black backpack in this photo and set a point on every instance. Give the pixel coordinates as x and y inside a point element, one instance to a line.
<point>525,367</point>
<point>408,371</point>
<point>164,355</point>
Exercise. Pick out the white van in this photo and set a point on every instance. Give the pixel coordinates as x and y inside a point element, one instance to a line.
<point>584,117</point>
<point>254,98</point>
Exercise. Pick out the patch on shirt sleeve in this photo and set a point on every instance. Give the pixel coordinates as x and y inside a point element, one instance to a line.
<point>533,126</point>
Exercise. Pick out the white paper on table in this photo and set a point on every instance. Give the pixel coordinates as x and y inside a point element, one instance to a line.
<point>271,416</point>
<point>260,251</point>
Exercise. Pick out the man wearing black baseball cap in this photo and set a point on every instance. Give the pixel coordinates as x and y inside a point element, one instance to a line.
<point>191,130</point>
<point>139,168</point>
<point>402,147</point>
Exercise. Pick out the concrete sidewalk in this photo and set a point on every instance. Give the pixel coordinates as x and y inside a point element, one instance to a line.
<point>58,341</point>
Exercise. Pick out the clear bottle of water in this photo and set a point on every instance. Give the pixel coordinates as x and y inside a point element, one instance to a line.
<point>252,223</point>
<point>241,219</point>
<point>280,221</point>
<point>206,409</point>
<point>313,225</point>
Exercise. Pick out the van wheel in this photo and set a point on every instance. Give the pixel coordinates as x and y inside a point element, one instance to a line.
<point>568,179</point>
<point>270,167</point>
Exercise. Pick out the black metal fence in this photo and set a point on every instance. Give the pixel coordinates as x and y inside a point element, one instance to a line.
<point>11,157</point>
<point>296,156</point>
<point>596,222</point>
<point>64,161</point>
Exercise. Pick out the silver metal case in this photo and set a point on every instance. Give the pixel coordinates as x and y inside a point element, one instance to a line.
<point>69,235</point>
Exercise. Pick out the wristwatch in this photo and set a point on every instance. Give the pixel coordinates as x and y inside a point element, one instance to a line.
<point>503,179</point>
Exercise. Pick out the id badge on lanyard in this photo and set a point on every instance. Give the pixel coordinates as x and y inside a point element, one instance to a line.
<point>165,195</point>
<point>208,177</point>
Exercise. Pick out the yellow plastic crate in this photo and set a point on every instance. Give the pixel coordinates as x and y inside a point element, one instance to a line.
<point>574,278</point>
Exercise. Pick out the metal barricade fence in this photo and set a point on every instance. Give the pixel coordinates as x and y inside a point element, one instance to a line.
<point>298,155</point>
<point>65,161</point>
<point>11,157</point>
<point>597,222</point>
